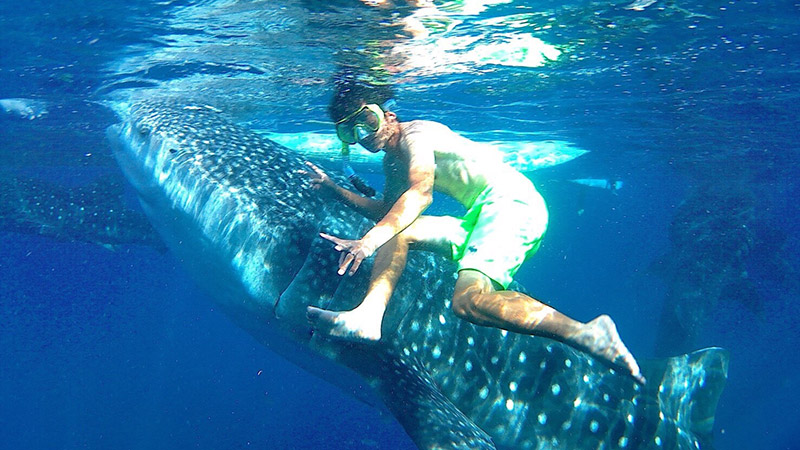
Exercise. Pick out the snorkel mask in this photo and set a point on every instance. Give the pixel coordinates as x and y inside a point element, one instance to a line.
<point>360,124</point>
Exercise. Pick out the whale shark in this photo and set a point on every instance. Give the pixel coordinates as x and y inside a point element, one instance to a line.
<point>524,154</point>
<point>233,207</point>
<point>93,213</point>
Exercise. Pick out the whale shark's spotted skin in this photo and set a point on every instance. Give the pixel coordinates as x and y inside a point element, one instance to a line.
<point>93,213</point>
<point>232,205</point>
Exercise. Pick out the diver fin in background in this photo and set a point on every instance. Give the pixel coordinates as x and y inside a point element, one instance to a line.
<point>612,185</point>
<point>429,418</point>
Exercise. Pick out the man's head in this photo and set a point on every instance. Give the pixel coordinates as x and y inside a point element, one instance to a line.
<point>356,110</point>
<point>353,90</point>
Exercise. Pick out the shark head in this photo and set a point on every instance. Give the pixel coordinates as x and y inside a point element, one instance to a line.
<point>234,208</point>
<point>230,204</point>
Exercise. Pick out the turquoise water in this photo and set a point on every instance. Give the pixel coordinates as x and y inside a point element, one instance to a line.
<point>692,105</point>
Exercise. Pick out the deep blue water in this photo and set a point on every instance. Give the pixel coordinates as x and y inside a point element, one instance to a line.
<point>118,349</point>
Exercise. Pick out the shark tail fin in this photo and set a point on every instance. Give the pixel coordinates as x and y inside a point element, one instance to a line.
<point>688,388</point>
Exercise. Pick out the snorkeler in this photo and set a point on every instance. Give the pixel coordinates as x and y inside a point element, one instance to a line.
<point>505,221</point>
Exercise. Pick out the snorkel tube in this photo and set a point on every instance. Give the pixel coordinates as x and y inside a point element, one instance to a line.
<point>355,180</point>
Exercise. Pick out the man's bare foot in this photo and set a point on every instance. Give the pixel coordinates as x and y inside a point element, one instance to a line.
<point>352,325</point>
<point>600,338</point>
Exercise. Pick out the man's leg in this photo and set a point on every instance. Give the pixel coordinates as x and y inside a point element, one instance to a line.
<point>363,323</point>
<point>475,299</point>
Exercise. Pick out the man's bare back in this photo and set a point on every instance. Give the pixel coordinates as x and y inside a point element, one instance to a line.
<point>464,168</point>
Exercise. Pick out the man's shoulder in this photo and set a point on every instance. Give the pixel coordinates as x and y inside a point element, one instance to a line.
<point>426,126</point>
<point>429,134</point>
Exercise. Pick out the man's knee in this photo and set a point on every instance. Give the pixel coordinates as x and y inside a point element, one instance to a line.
<point>405,238</point>
<point>470,289</point>
<point>464,305</point>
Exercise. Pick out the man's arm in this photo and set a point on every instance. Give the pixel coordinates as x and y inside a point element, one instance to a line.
<point>411,203</point>
<point>368,207</point>
<point>403,212</point>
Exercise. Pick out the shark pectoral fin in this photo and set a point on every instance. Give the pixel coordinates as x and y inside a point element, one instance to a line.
<point>429,418</point>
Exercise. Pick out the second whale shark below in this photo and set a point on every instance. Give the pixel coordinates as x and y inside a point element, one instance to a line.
<point>93,213</point>
<point>233,207</point>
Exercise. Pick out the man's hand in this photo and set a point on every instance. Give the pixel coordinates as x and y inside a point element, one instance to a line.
<point>318,177</point>
<point>352,252</point>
